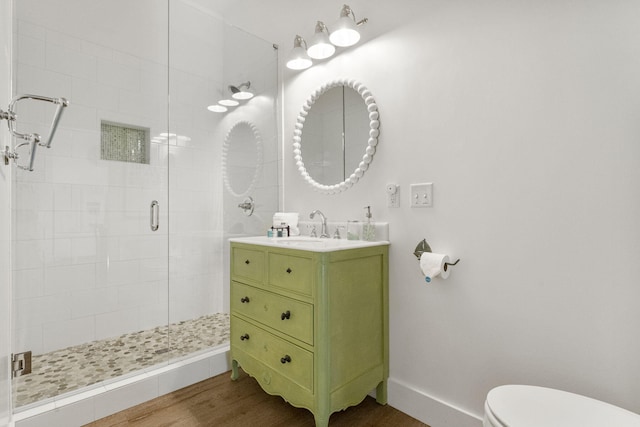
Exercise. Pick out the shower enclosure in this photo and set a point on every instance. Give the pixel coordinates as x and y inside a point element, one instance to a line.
<point>119,232</point>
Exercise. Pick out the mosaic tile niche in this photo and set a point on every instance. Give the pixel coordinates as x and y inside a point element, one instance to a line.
<point>124,143</point>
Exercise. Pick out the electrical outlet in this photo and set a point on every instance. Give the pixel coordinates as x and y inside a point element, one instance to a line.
<point>393,196</point>
<point>422,195</point>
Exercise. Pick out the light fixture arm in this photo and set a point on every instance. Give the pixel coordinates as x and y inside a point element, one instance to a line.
<point>298,41</point>
<point>321,28</point>
<point>346,11</point>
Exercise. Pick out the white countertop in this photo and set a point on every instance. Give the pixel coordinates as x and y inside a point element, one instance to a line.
<point>306,243</point>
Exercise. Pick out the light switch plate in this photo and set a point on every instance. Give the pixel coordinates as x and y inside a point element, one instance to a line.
<point>422,195</point>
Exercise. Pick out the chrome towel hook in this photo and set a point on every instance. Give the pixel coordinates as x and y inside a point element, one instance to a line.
<point>32,139</point>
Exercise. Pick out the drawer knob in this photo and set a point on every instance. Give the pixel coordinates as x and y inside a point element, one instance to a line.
<point>244,337</point>
<point>244,299</point>
<point>285,359</point>
<point>247,262</point>
<point>289,270</point>
<point>286,315</point>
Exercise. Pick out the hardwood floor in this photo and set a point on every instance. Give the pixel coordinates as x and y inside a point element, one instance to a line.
<point>219,401</point>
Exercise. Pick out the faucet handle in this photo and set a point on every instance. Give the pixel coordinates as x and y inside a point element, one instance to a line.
<point>313,233</point>
<point>336,235</point>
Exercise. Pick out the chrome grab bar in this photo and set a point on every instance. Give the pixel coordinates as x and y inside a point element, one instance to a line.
<point>155,215</point>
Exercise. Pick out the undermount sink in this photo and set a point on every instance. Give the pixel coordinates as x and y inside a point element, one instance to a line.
<point>308,243</point>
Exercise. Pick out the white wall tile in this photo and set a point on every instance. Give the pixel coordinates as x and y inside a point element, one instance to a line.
<point>61,279</point>
<point>85,303</point>
<point>66,333</point>
<point>28,254</point>
<point>30,283</point>
<point>57,251</point>
<point>69,61</point>
<point>31,50</point>
<point>109,325</point>
<point>35,312</point>
<point>118,76</point>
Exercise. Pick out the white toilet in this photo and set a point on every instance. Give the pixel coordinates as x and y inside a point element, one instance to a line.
<point>531,406</point>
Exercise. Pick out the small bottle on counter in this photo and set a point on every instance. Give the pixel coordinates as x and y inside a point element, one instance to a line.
<point>369,227</point>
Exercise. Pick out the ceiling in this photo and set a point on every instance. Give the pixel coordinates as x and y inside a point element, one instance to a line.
<point>278,21</point>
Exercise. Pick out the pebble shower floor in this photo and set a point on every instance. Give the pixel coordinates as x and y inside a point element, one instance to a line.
<point>73,368</point>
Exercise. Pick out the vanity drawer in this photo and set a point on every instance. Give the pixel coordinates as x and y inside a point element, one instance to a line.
<point>281,356</point>
<point>290,272</point>
<point>287,315</point>
<point>247,264</point>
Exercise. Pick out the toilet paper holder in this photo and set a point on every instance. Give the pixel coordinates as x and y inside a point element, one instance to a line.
<point>423,246</point>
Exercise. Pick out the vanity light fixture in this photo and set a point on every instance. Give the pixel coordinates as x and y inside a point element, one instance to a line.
<point>321,46</point>
<point>345,32</point>
<point>298,58</point>
<point>241,91</point>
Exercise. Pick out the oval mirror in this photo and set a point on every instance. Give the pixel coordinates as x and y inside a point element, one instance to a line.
<point>340,124</point>
<point>241,158</point>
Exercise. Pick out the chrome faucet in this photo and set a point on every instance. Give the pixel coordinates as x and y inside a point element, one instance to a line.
<point>323,231</point>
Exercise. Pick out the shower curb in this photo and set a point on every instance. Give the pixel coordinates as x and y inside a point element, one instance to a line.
<point>80,408</point>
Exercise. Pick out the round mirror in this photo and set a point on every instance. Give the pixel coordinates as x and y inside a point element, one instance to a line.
<point>241,158</point>
<point>341,128</point>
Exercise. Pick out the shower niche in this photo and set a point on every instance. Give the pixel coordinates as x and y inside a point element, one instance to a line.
<point>90,277</point>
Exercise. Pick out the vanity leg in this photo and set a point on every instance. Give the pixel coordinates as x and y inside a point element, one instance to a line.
<point>381,393</point>
<point>234,370</point>
<point>321,421</point>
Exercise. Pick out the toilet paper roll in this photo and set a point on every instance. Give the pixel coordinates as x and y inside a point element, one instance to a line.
<point>432,265</point>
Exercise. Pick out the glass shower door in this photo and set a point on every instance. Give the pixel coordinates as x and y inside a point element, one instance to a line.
<point>91,227</point>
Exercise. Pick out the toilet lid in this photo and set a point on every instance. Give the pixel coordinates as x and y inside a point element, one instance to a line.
<point>531,406</point>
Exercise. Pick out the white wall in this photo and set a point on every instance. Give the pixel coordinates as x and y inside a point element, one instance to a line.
<point>524,115</point>
<point>6,24</point>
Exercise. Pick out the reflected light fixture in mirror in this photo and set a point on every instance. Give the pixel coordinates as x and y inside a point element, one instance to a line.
<point>241,91</point>
<point>345,32</point>
<point>228,102</point>
<point>238,93</point>
<point>217,108</point>
<point>298,58</point>
<point>321,47</point>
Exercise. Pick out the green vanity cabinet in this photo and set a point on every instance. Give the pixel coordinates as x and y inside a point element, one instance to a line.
<point>311,324</point>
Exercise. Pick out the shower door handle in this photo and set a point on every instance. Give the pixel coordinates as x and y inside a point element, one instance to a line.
<point>155,215</point>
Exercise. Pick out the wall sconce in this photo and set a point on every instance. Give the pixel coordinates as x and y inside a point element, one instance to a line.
<point>345,33</point>
<point>298,58</point>
<point>321,47</point>
<point>239,92</point>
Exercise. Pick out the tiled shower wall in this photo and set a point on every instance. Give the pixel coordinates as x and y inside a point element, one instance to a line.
<point>86,264</point>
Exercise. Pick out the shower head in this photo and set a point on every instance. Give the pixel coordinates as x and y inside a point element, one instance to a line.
<point>241,91</point>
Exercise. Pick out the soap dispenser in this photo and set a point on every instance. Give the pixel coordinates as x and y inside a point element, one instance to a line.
<point>369,227</point>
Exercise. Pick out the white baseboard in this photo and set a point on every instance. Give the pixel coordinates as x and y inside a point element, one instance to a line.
<point>87,406</point>
<point>428,409</point>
